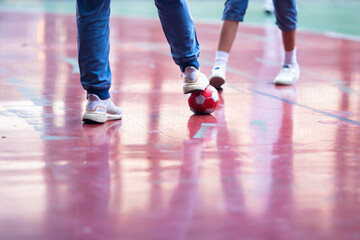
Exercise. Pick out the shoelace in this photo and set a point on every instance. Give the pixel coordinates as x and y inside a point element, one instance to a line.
<point>286,66</point>
<point>285,69</point>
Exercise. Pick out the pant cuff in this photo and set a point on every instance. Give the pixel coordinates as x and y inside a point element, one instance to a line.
<point>101,93</point>
<point>194,63</point>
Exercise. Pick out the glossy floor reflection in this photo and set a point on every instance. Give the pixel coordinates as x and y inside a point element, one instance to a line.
<point>270,163</point>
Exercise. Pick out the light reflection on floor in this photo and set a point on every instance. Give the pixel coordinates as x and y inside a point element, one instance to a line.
<point>270,163</point>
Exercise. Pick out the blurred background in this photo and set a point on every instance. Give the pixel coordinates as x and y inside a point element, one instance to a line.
<point>330,16</point>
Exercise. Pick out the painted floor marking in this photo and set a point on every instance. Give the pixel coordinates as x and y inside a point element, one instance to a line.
<point>298,104</point>
<point>204,130</point>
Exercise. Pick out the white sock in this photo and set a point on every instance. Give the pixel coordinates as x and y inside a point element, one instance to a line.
<point>221,59</point>
<point>290,57</point>
<point>191,73</point>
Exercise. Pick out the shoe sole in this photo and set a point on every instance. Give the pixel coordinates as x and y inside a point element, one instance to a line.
<point>99,118</point>
<point>217,82</point>
<point>189,88</point>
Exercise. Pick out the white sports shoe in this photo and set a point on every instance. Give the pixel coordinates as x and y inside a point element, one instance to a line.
<point>268,7</point>
<point>288,74</point>
<point>100,111</point>
<point>218,75</point>
<point>194,80</point>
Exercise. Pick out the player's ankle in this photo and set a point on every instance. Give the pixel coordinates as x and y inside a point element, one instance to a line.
<point>194,63</point>
<point>290,57</point>
<point>190,72</point>
<point>103,94</point>
<point>221,58</point>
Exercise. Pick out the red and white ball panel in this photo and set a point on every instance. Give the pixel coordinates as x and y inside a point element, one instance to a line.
<point>204,102</point>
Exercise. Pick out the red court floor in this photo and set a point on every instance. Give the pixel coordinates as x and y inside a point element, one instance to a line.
<point>270,163</point>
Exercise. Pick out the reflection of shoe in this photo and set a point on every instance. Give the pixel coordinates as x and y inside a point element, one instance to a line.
<point>218,75</point>
<point>202,127</point>
<point>221,98</point>
<point>194,80</point>
<point>97,135</point>
<point>219,113</point>
<point>287,92</point>
<point>100,111</point>
<point>288,75</point>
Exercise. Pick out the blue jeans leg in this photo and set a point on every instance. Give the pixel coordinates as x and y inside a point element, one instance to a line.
<point>92,19</point>
<point>286,14</point>
<point>234,10</point>
<point>179,30</point>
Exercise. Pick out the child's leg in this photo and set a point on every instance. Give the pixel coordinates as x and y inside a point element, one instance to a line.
<point>289,42</point>
<point>286,19</point>
<point>92,18</point>
<point>227,35</point>
<point>234,12</point>
<point>226,40</point>
<point>180,33</point>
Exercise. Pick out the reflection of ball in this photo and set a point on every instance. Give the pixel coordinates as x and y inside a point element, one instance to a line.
<point>203,128</point>
<point>204,102</point>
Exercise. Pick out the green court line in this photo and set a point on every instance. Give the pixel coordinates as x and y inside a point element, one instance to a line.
<point>334,16</point>
<point>204,130</point>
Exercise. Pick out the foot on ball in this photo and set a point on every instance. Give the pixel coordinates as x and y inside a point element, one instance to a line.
<point>194,80</point>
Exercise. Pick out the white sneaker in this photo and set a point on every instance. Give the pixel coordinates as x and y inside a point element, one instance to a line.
<point>288,75</point>
<point>100,111</point>
<point>194,80</point>
<point>217,78</point>
<point>269,7</point>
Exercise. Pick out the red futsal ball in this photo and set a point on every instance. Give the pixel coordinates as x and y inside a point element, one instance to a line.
<point>204,102</point>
